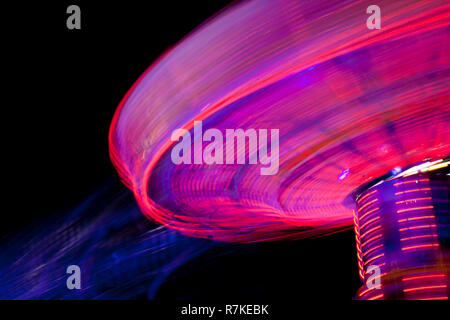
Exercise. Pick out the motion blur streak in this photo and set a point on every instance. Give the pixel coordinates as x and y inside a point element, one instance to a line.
<point>351,104</point>
<point>120,253</point>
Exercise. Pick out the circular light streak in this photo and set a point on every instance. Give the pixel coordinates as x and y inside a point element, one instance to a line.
<point>351,104</point>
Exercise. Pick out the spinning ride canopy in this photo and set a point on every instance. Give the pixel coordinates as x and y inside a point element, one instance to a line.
<point>351,104</point>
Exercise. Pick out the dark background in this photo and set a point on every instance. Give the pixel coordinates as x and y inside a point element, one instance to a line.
<point>62,89</point>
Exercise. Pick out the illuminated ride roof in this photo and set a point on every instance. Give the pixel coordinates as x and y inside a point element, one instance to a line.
<point>351,104</point>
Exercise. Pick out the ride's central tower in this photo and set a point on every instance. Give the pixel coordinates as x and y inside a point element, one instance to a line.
<point>402,226</point>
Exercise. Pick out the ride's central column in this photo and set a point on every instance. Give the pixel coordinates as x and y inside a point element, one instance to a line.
<point>402,226</point>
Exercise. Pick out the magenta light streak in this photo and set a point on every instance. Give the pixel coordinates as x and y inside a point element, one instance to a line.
<point>351,104</point>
